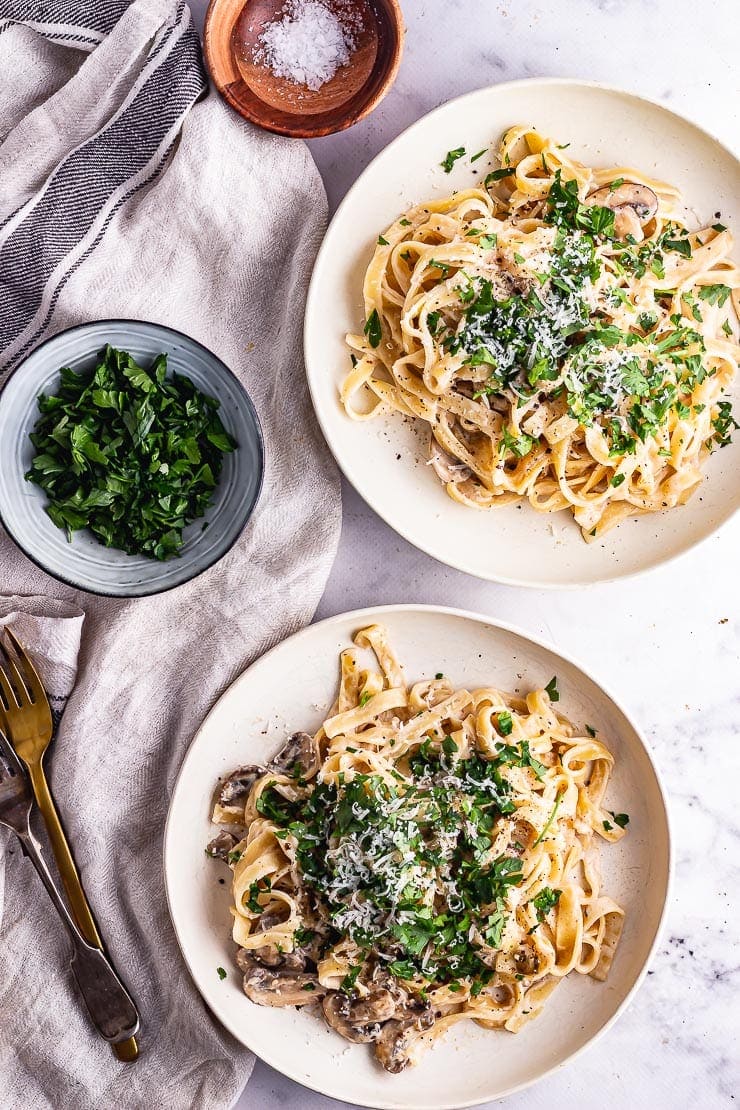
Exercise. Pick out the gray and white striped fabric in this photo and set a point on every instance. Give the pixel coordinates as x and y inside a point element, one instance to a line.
<point>48,237</point>
<point>126,191</point>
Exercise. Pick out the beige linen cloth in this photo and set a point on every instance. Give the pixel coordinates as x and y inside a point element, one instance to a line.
<point>124,192</point>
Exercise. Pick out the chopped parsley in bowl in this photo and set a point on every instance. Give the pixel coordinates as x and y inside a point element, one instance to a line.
<point>141,465</point>
<point>129,453</point>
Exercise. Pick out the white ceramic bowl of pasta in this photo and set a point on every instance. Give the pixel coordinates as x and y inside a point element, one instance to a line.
<point>385,459</point>
<point>291,688</point>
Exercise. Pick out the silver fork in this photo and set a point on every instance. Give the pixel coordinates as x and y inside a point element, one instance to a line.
<point>108,1003</point>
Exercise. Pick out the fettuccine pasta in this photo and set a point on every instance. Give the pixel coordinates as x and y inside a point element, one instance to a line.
<point>427,857</point>
<point>560,330</point>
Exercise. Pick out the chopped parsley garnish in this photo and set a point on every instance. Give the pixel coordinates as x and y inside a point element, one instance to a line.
<point>221,972</point>
<point>549,821</point>
<point>545,337</point>
<point>566,210</point>
<point>545,901</point>
<point>519,445</point>
<point>505,723</point>
<point>715,294</point>
<point>129,453</point>
<point>681,246</point>
<point>382,242</point>
<point>552,689</point>
<point>475,157</point>
<point>255,889</point>
<point>443,266</point>
<point>451,157</point>
<point>499,175</point>
<point>724,424</point>
<point>621,819</point>
<point>348,983</point>
<point>406,868</point>
<point>373,329</point>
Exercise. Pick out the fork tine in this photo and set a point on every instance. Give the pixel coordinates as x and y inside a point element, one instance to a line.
<point>8,753</point>
<point>32,682</point>
<point>22,696</point>
<point>6,688</point>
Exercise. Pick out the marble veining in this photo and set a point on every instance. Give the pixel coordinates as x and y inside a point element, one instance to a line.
<point>668,644</point>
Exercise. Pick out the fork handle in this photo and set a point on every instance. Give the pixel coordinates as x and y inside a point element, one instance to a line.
<point>108,1003</point>
<point>81,910</point>
<point>62,854</point>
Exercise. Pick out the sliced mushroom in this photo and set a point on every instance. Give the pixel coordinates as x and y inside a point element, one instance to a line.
<point>338,1013</point>
<point>396,1042</point>
<point>378,1005</point>
<point>269,987</point>
<point>221,845</point>
<point>407,1005</point>
<point>300,751</point>
<point>235,789</point>
<point>633,206</point>
<point>526,959</point>
<point>269,955</point>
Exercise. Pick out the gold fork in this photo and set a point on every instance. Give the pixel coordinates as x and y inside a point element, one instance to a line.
<point>25,717</point>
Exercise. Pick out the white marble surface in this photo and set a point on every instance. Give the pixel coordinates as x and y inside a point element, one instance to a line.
<point>668,643</point>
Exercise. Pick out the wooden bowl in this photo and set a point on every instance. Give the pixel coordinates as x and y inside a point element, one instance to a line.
<point>231,37</point>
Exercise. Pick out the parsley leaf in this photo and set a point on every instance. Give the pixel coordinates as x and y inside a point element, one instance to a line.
<point>549,821</point>
<point>518,445</point>
<point>552,689</point>
<point>372,329</point>
<point>451,157</point>
<point>499,175</point>
<point>715,294</point>
<point>505,723</point>
<point>348,983</point>
<point>724,424</point>
<point>545,901</point>
<point>681,246</point>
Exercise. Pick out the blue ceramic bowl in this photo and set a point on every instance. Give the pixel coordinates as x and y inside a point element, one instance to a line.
<point>86,563</point>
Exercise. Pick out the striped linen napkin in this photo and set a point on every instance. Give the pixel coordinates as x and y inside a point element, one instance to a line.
<point>128,190</point>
